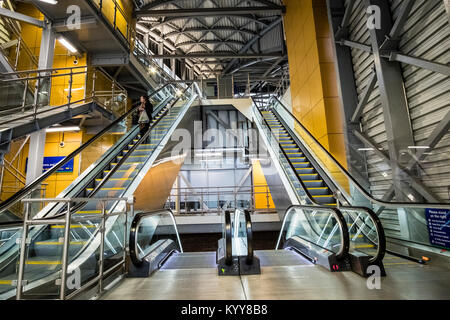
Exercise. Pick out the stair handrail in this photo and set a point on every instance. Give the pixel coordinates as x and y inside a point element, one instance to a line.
<point>133,244</point>
<point>358,186</point>
<point>336,213</point>
<point>227,230</point>
<point>249,231</point>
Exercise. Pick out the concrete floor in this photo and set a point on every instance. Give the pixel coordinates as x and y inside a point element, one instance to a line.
<point>295,280</point>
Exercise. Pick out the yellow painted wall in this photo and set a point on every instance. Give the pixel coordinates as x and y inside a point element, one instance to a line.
<point>123,17</point>
<point>59,91</point>
<point>32,36</point>
<point>260,180</point>
<point>57,182</point>
<point>314,89</point>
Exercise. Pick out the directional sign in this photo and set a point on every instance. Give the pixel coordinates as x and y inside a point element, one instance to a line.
<point>438,221</point>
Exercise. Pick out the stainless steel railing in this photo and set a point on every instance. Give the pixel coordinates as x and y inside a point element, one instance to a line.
<point>67,221</point>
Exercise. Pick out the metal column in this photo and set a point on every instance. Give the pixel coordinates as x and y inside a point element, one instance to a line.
<point>394,101</point>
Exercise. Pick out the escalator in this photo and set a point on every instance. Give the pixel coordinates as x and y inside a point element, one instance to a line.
<point>327,183</point>
<point>330,216</point>
<point>307,175</point>
<point>93,206</point>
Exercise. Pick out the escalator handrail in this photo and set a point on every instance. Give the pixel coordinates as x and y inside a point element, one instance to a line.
<point>305,189</point>
<point>358,186</point>
<point>134,228</point>
<point>26,190</point>
<point>228,238</point>
<point>249,230</point>
<point>336,213</point>
<point>381,246</point>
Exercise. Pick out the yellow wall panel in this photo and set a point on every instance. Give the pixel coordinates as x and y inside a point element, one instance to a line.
<point>313,76</point>
<point>260,183</point>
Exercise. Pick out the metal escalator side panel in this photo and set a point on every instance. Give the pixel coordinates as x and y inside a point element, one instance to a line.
<point>289,187</point>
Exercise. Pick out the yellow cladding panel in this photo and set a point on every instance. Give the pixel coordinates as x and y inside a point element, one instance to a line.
<point>314,88</point>
<point>261,199</point>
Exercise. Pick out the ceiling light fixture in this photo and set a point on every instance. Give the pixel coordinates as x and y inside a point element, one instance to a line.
<point>68,45</point>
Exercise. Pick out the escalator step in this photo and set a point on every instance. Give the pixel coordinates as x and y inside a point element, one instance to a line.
<point>106,189</point>
<point>56,243</point>
<point>75,226</point>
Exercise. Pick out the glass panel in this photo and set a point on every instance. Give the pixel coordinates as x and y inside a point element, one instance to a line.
<point>362,231</point>
<point>8,261</point>
<point>239,232</point>
<point>315,225</point>
<point>153,229</point>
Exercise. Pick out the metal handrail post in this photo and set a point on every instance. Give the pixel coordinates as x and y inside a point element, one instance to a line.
<point>69,96</point>
<point>65,253</point>
<point>23,244</point>
<point>16,63</point>
<point>24,98</point>
<point>36,95</point>
<point>102,248</point>
<point>94,77</point>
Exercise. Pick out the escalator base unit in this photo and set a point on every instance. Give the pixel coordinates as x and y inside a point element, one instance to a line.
<point>318,255</point>
<point>154,260</point>
<point>246,269</point>
<point>361,265</point>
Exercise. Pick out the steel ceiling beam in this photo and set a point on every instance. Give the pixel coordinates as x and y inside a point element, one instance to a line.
<point>158,3</point>
<point>204,30</point>
<point>21,17</point>
<point>213,42</point>
<point>208,12</point>
<point>253,41</point>
<point>217,55</point>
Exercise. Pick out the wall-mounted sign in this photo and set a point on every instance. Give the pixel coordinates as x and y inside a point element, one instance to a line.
<point>438,221</point>
<point>50,162</point>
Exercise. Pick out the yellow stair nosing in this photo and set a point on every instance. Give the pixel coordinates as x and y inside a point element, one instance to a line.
<point>59,243</point>
<point>106,189</point>
<point>43,263</point>
<point>73,226</point>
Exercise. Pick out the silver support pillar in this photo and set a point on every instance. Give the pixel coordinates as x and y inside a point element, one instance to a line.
<point>35,156</point>
<point>396,117</point>
<point>393,98</point>
<point>37,139</point>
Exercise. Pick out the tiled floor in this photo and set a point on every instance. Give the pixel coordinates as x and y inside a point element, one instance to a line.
<point>405,280</point>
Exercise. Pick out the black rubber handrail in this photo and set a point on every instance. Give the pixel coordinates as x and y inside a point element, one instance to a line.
<point>381,246</point>
<point>228,239</point>
<point>26,190</point>
<point>349,175</point>
<point>336,213</point>
<point>249,230</point>
<point>134,228</point>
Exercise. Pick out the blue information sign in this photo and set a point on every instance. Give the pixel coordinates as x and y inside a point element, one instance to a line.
<point>438,221</point>
<point>50,162</point>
